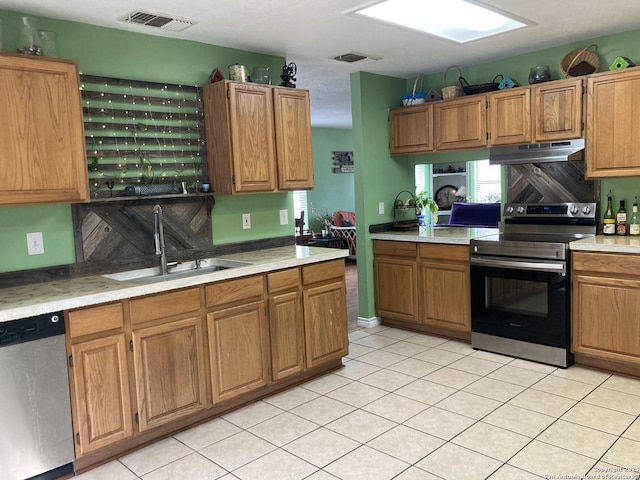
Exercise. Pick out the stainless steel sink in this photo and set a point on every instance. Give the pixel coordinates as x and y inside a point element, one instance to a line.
<point>181,270</point>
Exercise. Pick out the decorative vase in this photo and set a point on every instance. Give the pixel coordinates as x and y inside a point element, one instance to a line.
<point>29,39</point>
<point>48,43</point>
<point>539,74</point>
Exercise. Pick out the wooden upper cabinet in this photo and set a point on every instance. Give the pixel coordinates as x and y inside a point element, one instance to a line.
<point>613,123</point>
<point>42,148</point>
<point>510,116</point>
<point>411,129</point>
<point>461,123</point>
<point>293,138</point>
<point>557,110</point>
<point>254,145</point>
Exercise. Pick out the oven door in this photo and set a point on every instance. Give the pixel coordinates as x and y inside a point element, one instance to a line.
<point>520,299</point>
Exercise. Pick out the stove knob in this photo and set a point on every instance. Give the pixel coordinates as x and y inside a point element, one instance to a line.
<point>586,209</point>
<point>574,209</point>
<point>509,209</point>
<point>520,210</point>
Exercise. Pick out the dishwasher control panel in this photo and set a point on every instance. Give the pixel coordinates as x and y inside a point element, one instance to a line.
<point>31,328</point>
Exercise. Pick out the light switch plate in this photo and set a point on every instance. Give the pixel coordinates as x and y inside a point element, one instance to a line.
<point>35,243</point>
<point>246,221</point>
<point>381,208</point>
<point>284,217</point>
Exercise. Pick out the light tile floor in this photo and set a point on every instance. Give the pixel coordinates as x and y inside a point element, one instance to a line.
<point>408,406</point>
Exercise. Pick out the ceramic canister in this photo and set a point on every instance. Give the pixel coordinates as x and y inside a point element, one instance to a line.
<point>238,73</point>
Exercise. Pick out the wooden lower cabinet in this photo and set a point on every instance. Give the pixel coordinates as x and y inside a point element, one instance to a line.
<point>604,308</point>
<point>325,312</point>
<point>169,371</point>
<point>286,323</point>
<point>396,280</point>
<point>102,406</point>
<point>239,349</point>
<point>445,286</point>
<point>146,367</point>
<point>98,377</point>
<point>425,286</point>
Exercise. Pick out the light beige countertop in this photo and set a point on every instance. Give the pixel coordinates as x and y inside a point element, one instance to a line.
<point>606,243</point>
<point>430,234</point>
<point>47,297</point>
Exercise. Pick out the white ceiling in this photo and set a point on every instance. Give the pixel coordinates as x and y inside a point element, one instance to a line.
<point>311,33</point>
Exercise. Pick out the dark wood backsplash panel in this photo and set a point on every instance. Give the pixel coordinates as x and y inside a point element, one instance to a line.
<point>553,182</point>
<point>121,232</point>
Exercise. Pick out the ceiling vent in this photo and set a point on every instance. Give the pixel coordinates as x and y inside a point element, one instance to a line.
<point>355,58</point>
<point>156,20</point>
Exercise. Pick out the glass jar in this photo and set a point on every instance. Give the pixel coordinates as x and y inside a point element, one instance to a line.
<point>29,40</point>
<point>539,74</point>
<point>261,75</point>
<point>48,43</point>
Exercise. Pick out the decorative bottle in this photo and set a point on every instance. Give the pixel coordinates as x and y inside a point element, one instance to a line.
<point>621,220</point>
<point>634,225</point>
<point>609,220</point>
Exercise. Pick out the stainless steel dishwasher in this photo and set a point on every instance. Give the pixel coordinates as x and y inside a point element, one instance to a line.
<point>36,438</point>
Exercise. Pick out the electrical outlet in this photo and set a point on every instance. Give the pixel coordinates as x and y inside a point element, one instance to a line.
<point>381,208</point>
<point>284,217</point>
<point>35,243</point>
<point>246,221</point>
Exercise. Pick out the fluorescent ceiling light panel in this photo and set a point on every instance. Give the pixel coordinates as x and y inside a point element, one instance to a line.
<point>457,20</point>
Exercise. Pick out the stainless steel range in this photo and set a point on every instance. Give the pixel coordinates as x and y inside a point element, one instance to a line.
<point>520,281</point>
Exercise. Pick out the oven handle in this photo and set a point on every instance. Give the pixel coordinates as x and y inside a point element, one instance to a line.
<point>516,264</point>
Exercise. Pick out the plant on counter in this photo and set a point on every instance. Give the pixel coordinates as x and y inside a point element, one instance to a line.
<point>322,216</point>
<point>425,201</point>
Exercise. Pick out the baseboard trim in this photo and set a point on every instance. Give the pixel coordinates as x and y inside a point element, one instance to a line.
<point>369,322</point>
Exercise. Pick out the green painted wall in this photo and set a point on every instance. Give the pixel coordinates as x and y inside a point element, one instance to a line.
<point>116,53</point>
<point>378,177</point>
<point>333,191</point>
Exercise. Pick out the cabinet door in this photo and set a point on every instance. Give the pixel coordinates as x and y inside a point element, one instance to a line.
<point>604,318</point>
<point>461,123</point>
<point>411,129</point>
<point>510,116</point>
<point>42,148</point>
<point>325,316</point>
<point>100,386</point>
<point>613,123</point>
<point>445,295</point>
<point>169,371</point>
<point>558,110</point>
<point>396,287</point>
<point>239,349</point>
<point>293,138</point>
<point>252,140</point>
<point>287,334</point>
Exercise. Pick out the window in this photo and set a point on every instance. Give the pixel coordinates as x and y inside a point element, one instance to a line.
<point>487,182</point>
<point>300,204</point>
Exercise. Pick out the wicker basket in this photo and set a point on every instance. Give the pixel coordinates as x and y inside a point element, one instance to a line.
<point>580,62</point>
<point>480,88</point>
<point>453,91</point>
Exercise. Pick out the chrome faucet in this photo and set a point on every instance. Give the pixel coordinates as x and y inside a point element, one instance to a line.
<point>158,237</point>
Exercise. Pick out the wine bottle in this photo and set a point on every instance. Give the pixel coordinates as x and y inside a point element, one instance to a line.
<point>621,220</point>
<point>634,225</point>
<point>609,220</point>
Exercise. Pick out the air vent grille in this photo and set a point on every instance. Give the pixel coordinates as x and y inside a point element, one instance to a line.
<point>156,20</point>
<point>350,57</point>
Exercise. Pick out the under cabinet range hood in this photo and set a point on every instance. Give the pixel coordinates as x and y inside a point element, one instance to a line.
<point>560,151</point>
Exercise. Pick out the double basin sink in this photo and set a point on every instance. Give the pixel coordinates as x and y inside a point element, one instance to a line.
<point>181,270</point>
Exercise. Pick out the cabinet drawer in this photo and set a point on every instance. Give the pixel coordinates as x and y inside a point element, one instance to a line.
<point>165,305</point>
<point>608,263</point>
<point>439,251</point>
<point>397,249</point>
<point>95,319</point>
<point>322,271</point>
<point>234,290</point>
<point>284,280</point>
